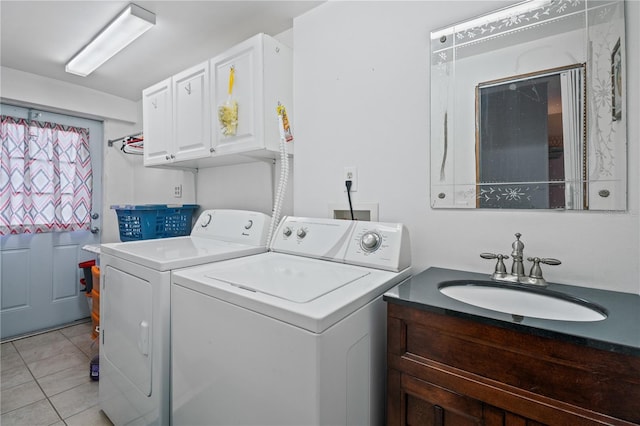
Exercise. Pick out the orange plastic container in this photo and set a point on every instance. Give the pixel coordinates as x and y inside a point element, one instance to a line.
<point>95,301</point>
<point>95,292</point>
<point>95,320</point>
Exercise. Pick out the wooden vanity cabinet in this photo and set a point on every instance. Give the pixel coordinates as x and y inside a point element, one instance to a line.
<point>447,370</point>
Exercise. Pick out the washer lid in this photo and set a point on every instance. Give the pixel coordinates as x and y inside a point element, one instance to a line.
<point>178,252</point>
<point>295,279</point>
<point>276,284</point>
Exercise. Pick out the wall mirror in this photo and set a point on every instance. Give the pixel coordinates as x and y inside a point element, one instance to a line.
<point>528,108</point>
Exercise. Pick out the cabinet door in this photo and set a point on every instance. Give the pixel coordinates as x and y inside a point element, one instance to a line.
<point>157,123</point>
<point>192,113</point>
<point>427,404</point>
<point>246,59</point>
<point>497,417</point>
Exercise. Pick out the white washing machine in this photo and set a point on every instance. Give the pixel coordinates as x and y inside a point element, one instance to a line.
<point>134,386</point>
<point>295,336</point>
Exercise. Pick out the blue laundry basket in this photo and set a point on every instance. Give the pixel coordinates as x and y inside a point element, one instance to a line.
<point>151,221</point>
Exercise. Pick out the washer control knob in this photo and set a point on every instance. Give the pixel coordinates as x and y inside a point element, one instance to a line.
<point>370,241</point>
<point>248,225</point>
<point>301,233</point>
<point>287,232</point>
<point>207,221</point>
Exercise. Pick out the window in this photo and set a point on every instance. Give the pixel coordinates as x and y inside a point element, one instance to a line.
<point>45,177</point>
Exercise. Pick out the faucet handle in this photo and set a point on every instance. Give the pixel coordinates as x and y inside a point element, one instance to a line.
<point>536,271</point>
<point>500,270</point>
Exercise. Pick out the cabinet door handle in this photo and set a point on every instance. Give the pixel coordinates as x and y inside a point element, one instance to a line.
<point>188,88</point>
<point>154,103</point>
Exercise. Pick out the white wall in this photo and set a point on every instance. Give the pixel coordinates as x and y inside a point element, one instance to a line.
<point>361,87</point>
<point>249,186</point>
<point>63,97</point>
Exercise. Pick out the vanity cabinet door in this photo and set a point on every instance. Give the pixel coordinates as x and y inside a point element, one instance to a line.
<point>157,123</point>
<point>424,403</point>
<point>493,416</point>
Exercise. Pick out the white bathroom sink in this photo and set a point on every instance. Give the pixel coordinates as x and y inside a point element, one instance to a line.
<point>522,301</point>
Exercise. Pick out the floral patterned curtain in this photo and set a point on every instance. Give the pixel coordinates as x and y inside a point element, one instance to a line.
<point>45,177</point>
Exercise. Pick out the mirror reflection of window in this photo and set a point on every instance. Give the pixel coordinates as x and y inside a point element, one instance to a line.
<point>530,141</point>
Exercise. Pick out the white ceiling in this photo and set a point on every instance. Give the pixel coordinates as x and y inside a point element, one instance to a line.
<point>39,37</point>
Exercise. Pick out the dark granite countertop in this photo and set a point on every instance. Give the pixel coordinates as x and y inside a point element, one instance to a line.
<point>619,332</point>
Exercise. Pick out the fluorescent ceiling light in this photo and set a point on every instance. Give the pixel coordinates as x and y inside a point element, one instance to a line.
<point>130,24</point>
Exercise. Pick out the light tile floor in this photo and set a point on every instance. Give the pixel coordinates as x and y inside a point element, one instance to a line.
<point>45,380</point>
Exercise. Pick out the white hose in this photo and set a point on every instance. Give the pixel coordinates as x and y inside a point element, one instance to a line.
<point>282,184</point>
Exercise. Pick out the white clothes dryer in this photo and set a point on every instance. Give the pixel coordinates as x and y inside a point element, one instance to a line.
<point>134,386</point>
<point>295,336</point>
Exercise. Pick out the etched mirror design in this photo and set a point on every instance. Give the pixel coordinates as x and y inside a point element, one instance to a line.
<point>528,108</point>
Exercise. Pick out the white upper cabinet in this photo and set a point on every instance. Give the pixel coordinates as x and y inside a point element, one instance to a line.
<point>157,110</point>
<point>263,72</point>
<point>222,111</point>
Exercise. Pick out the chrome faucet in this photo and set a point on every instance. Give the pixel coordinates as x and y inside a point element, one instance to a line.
<point>517,267</point>
<point>517,274</point>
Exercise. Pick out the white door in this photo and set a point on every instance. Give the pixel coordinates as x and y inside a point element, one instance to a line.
<point>39,274</point>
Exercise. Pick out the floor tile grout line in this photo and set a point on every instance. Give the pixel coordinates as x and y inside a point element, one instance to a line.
<point>94,342</point>
<point>78,347</point>
<point>37,381</point>
<point>35,402</point>
<point>39,387</point>
<point>87,356</point>
<point>48,330</point>
<point>66,390</point>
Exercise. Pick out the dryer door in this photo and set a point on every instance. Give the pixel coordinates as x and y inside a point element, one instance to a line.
<point>126,326</point>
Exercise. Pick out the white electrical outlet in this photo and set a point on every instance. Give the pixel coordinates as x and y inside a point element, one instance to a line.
<point>350,173</point>
<point>177,191</point>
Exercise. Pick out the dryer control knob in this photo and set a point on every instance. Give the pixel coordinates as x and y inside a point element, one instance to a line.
<point>301,233</point>
<point>287,232</point>
<point>370,241</point>
<point>248,225</point>
<point>206,222</point>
